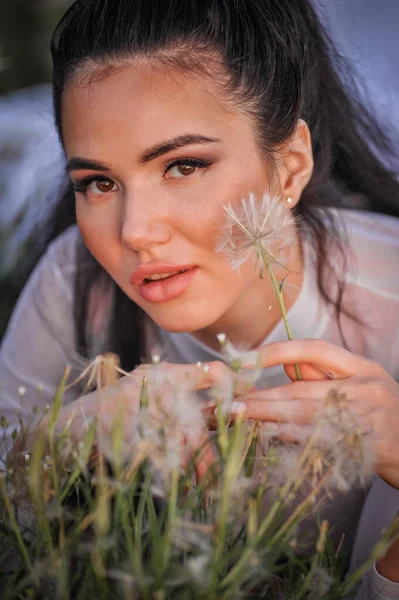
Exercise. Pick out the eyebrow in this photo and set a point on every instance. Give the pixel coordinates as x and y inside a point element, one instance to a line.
<point>174,144</point>
<point>180,141</point>
<point>76,163</point>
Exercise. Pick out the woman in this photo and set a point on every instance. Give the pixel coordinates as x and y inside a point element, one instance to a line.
<point>168,111</point>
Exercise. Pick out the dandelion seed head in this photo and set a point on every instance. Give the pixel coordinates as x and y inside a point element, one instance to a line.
<point>320,584</point>
<point>198,566</point>
<point>257,226</point>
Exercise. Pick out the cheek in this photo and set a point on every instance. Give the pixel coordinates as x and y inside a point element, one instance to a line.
<point>206,214</point>
<point>204,221</point>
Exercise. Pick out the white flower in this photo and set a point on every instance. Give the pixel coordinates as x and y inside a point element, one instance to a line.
<point>156,359</point>
<point>320,584</point>
<point>198,566</point>
<point>245,363</point>
<point>221,338</point>
<point>257,227</point>
<point>21,391</point>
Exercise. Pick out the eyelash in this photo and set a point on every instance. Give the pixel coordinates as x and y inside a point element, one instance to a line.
<point>191,162</point>
<point>82,185</point>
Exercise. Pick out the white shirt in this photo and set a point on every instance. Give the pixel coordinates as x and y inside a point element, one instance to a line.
<point>39,344</point>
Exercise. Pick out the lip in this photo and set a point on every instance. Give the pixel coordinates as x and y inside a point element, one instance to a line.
<point>153,268</point>
<point>162,289</point>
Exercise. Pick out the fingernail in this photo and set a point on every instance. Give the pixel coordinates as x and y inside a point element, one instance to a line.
<point>238,408</point>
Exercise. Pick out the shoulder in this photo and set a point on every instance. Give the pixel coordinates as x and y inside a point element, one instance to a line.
<point>40,339</point>
<point>62,251</point>
<point>373,242</point>
<point>50,288</point>
<point>371,291</point>
<point>57,267</point>
<point>49,292</point>
<point>378,228</point>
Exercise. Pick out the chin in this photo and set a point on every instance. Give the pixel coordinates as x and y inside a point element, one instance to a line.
<point>182,323</point>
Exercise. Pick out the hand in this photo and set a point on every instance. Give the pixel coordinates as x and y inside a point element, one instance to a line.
<point>372,395</point>
<point>123,396</point>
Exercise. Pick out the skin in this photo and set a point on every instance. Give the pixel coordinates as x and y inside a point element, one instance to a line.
<point>148,215</point>
<point>176,216</point>
<point>387,566</point>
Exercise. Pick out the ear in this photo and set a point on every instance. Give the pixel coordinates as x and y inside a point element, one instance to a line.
<point>296,163</point>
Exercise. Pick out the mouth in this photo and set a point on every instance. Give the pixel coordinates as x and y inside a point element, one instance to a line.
<point>160,287</point>
<point>162,276</point>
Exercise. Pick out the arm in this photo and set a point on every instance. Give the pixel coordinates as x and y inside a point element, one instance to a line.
<point>388,565</point>
<point>39,342</point>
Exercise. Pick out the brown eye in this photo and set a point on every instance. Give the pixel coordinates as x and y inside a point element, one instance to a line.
<point>186,169</point>
<point>183,167</point>
<point>101,186</point>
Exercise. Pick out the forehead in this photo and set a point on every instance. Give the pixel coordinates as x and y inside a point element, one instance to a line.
<point>145,105</point>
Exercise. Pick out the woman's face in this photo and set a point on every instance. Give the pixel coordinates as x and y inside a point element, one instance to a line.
<point>154,155</point>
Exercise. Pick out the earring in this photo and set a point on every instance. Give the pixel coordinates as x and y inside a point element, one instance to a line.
<point>289,200</point>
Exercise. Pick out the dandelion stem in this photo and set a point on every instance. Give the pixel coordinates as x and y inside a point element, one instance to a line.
<point>317,558</point>
<point>294,481</point>
<point>14,524</point>
<point>171,514</point>
<point>280,298</point>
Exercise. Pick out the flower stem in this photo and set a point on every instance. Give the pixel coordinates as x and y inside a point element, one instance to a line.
<point>280,298</point>
<point>14,524</point>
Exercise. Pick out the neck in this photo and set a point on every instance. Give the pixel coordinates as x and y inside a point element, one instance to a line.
<point>257,311</point>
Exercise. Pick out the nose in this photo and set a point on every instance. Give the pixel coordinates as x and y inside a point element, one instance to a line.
<point>143,225</point>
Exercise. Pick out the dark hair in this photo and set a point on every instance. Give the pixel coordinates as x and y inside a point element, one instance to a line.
<point>275,59</point>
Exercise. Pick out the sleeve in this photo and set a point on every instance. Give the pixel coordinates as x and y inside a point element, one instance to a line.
<point>39,342</point>
<point>380,509</point>
<point>376,586</point>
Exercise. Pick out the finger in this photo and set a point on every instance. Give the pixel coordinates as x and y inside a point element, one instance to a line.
<point>330,358</point>
<point>301,390</point>
<point>216,375</point>
<point>308,373</point>
<point>200,376</point>
<point>302,412</point>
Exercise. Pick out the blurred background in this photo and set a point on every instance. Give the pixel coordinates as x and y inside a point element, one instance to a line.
<point>31,161</point>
